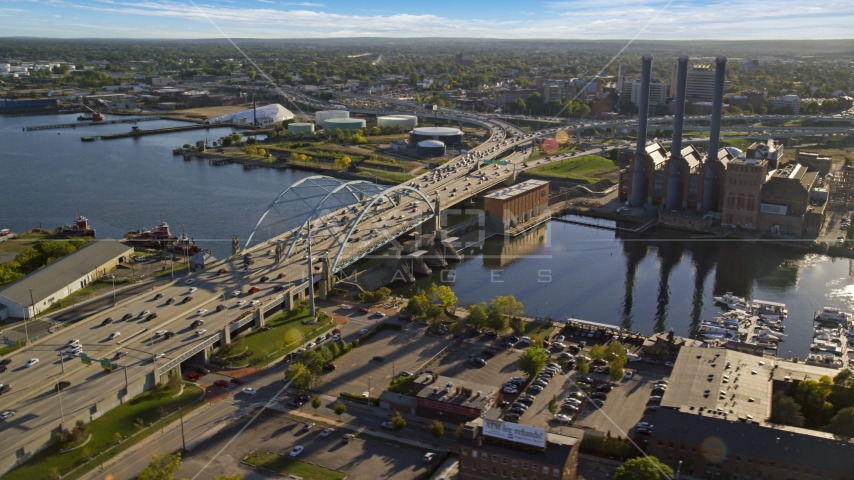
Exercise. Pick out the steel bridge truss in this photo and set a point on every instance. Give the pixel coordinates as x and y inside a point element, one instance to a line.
<point>333,209</point>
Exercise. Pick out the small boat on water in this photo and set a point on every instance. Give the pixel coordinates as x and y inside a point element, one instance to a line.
<point>732,302</point>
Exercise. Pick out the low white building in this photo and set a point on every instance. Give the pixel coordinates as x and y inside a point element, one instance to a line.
<point>59,279</point>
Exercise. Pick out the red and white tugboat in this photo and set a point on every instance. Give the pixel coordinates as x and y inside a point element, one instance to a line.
<point>80,228</point>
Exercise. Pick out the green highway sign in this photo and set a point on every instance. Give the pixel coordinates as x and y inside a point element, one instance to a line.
<point>105,364</point>
<point>85,359</point>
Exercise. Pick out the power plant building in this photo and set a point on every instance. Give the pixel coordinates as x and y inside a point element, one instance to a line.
<point>404,121</point>
<point>430,148</point>
<point>321,116</point>
<point>344,124</point>
<point>449,136</point>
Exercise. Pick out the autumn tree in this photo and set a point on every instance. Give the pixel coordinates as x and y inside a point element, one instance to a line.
<point>533,360</point>
<point>162,467</point>
<point>643,468</point>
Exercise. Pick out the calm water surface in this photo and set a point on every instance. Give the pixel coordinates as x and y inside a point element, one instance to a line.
<point>559,270</point>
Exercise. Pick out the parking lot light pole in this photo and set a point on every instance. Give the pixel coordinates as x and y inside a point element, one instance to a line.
<point>59,394</point>
<point>369,391</point>
<point>61,361</point>
<point>183,442</point>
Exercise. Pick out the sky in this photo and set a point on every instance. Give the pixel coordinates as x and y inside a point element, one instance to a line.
<point>567,19</point>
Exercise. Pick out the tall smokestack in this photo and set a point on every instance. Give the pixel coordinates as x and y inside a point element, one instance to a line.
<point>673,192</point>
<point>638,176</point>
<point>254,114</point>
<point>714,136</point>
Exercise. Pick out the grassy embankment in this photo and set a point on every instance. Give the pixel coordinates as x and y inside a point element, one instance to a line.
<point>138,415</point>
<point>286,333</point>
<point>582,169</point>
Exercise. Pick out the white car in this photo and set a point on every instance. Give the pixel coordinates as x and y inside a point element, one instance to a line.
<point>429,456</point>
<point>191,280</point>
<point>326,432</point>
<point>200,332</point>
<point>335,338</point>
<point>114,335</point>
<point>159,355</point>
<point>75,350</point>
<point>560,338</point>
<point>526,339</point>
<point>240,302</point>
<point>249,391</point>
<point>159,333</point>
<point>643,425</point>
<point>363,331</point>
<point>236,293</point>
<point>201,312</point>
<point>255,303</point>
<point>296,451</point>
<point>346,307</point>
<point>31,362</point>
<point>72,343</point>
<point>378,314</point>
<point>310,345</point>
<point>245,269</point>
<point>629,374</point>
<point>191,289</point>
<point>562,418</point>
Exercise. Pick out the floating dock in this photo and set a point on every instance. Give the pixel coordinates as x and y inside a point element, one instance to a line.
<point>89,123</point>
<point>142,133</point>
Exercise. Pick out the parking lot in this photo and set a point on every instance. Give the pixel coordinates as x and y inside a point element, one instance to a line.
<point>408,350</point>
<point>363,457</point>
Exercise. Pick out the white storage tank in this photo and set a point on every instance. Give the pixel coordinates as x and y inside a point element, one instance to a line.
<point>404,121</point>
<point>323,115</point>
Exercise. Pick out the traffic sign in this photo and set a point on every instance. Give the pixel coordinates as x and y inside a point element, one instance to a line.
<point>105,364</point>
<point>85,359</point>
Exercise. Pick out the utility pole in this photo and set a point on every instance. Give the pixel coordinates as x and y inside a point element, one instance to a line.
<point>61,362</point>
<point>114,290</point>
<point>183,442</point>
<point>369,391</point>
<point>59,394</point>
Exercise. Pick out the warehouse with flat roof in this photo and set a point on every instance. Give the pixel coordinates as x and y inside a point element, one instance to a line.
<point>518,204</point>
<point>59,279</point>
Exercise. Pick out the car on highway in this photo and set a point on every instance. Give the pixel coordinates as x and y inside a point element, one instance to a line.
<point>170,300</point>
<point>264,278</point>
<point>5,388</point>
<point>62,385</point>
<point>159,355</point>
<point>120,354</point>
<point>363,331</point>
<point>128,316</point>
<point>197,322</point>
<point>114,335</point>
<point>280,276</point>
<point>240,303</point>
<point>236,293</point>
<point>158,296</point>
<point>191,289</point>
<point>253,290</point>
<point>388,425</point>
<point>296,451</point>
<point>191,281</point>
<point>245,269</point>
<point>159,333</point>
<point>6,414</point>
<point>31,362</point>
<point>152,316</point>
<point>249,391</point>
<point>255,303</point>
<point>221,271</point>
<point>107,321</point>
<point>379,358</point>
<point>201,312</point>
<point>222,383</point>
<point>144,313</point>
<point>200,332</point>
<point>71,343</point>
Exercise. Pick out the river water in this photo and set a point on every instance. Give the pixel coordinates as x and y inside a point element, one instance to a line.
<point>558,270</point>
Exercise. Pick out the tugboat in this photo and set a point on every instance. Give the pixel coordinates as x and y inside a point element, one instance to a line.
<point>80,228</point>
<point>159,237</point>
<point>95,117</point>
<point>184,245</point>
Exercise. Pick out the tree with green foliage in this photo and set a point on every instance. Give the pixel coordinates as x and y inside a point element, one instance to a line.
<point>496,322</point>
<point>812,397</point>
<point>457,328</point>
<point>437,428</point>
<point>458,433</point>
<point>300,375</point>
<point>507,306</point>
<point>339,408</point>
<point>785,411</point>
<point>517,324</point>
<point>477,317</point>
<point>597,352</point>
<point>532,360</point>
<point>315,403</point>
<point>162,467</point>
<point>398,422</point>
<point>553,406</point>
<point>433,312</point>
<point>583,366</point>
<point>842,423</point>
<point>643,468</point>
<point>416,306</point>
<point>343,163</point>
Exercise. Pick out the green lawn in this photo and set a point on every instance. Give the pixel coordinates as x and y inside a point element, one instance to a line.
<point>11,348</point>
<point>147,407</point>
<point>289,466</point>
<point>284,335</point>
<point>23,241</point>
<point>579,168</point>
<point>739,143</point>
<point>538,328</point>
<point>540,154</point>
<point>396,177</point>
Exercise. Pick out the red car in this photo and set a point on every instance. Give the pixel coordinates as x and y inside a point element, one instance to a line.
<point>237,381</point>
<point>336,331</point>
<point>221,383</point>
<point>363,310</point>
<point>281,275</point>
<point>254,290</point>
<point>193,376</point>
<point>221,271</point>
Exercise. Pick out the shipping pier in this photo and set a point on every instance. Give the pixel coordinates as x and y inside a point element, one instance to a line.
<point>87,124</point>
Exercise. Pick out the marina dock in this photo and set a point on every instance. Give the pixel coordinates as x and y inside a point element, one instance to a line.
<point>141,133</point>
<point>86,124</point>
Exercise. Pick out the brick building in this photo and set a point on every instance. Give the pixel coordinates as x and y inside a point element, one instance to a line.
<point>452,400</point>
<point>494,449</point>
<point>786,200</point>
<point>517,204</point>
<point>744,180</point>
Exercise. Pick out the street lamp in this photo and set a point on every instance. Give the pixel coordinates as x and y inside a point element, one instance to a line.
<point>59,394</point>
<point>369,391</point>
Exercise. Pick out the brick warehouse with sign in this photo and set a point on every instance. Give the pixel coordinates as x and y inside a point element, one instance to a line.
<point>452,400</point>
<point>498,449</point>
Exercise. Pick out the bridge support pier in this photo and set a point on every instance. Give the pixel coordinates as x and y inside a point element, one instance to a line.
<point>225,336</point>
<point>289,299</point>
<point>260,321</point>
